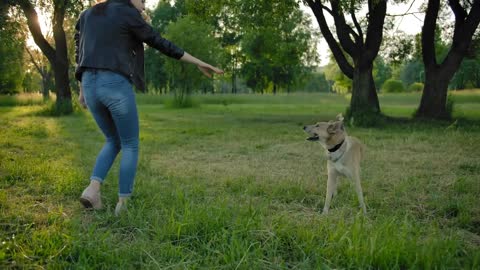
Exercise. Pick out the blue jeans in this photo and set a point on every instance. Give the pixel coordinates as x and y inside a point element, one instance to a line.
<point>111,100</point>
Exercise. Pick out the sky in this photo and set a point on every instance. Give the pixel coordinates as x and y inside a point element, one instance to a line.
<point>410,24</point>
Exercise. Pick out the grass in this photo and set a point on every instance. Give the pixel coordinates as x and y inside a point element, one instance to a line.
<point>26,99</point>
<point>232,184</point>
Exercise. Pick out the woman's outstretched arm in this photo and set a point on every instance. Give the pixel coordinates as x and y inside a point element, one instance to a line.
<point>205,68</point>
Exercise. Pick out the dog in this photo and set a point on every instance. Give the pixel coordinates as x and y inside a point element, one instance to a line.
<point>344,155</point>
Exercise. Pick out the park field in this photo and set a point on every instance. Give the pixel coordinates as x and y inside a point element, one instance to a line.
<point>231,183</point>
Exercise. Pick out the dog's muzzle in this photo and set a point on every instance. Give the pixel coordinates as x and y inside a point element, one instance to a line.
<point>313,138</point>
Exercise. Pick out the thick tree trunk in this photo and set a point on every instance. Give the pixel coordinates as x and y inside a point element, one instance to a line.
<point>62,82</point>
<point>361,46</point>
<point>438,75</point>
<point>57,57</point>
<point>434,97</point>
<point>364,95</point>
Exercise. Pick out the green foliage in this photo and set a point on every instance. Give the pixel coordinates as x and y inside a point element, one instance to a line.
<point>415,87</point>
<point>468,74</point>
<point>155,72</point>
<point>340,83</point>
<point>197,39</point>
<point>393,86</point>
<point>20,100</point>
<point>398,48</point>
<point>278,51</point>
<point>317,82</point>
<point>412,71</point>
<point>381,72</point>
<point>11,54</point>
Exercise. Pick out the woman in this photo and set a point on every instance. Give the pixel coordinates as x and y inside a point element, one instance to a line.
<point>109,54</point>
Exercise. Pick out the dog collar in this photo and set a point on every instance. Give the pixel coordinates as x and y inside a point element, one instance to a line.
<point>336,147</point>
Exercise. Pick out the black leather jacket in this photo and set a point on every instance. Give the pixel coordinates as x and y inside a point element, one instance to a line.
<point>114,40</point>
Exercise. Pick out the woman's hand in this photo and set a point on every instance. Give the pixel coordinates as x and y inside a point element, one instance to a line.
<point>205,68</point>
<point>81,98</point>
<point>208,70</point>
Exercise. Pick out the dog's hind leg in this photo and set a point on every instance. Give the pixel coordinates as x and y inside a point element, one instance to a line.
<point>358,189</point>
<point>331,188</point>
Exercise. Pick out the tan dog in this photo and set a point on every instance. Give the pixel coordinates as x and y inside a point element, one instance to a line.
<point>344,155</point>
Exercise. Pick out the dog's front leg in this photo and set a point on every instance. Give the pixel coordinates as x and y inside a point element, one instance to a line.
<point>331,187</point>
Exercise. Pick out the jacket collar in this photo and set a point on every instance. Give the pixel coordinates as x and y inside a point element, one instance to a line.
<point>126,2</point>
<point>121,1</point>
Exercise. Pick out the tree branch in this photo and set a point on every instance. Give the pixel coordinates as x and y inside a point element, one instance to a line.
<point>35,62</point>
<point>428,33</point>
<point>458,10</point>
<point>358,37</point>
<point>463,35</point>
<point>404,14</point>
<point>343,30</point>
<point>34,27</point>
<point>376,19</point>
<point>337,52</point>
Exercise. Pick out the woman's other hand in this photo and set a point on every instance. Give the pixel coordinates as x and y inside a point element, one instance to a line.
<point>81,98</point>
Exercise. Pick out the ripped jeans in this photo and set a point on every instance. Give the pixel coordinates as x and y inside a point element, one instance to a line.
<point>111,100</point>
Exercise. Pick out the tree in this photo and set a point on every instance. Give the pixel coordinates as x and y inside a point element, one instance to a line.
<point>340,83</point>
<point>155,74</point>
<point>197,39</point>
<point>381,72</point>
<point>278,47</point>
<point>43,70</point>
<point>317,82</point>
<point>438,75</point>
<point>11,52</point>
<point>57,54</point>
<point>468,75</point>
<point>362,45</point>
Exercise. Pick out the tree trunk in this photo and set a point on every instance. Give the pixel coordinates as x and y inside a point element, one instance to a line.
<point>437,76</point>
<point>234,76</point>
<point>46,77</point>
<point>359,45</point>
<point>62,82</point>
<point>364,94</point>
<point>434,96</point>
<point>57,56</point>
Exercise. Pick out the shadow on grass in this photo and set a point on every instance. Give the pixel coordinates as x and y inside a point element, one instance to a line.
<point>459,123</point>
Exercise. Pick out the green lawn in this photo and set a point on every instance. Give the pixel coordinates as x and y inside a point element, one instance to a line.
<point>232,184</point>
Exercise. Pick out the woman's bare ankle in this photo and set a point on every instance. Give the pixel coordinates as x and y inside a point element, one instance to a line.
<point>122,200</point>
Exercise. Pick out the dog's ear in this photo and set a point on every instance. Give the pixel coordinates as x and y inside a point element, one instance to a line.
<point>335,127</point>
<point>340,117</point>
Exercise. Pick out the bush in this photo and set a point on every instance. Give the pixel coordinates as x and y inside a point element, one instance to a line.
<point>393,86</point>
<point>415,87</point>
